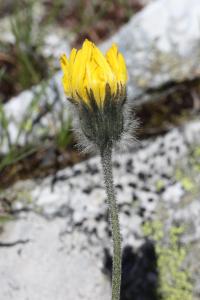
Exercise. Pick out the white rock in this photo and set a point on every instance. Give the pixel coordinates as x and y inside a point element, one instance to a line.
<point>161,44</point>
<point>51,265</point>
<point>67,241</point>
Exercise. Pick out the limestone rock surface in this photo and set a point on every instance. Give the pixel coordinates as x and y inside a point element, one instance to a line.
<point>64,218</point>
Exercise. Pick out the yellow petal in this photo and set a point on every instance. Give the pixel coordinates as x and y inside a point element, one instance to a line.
<point>64,63</point>
<point>66,85</point>
<point>88,69</point>
<point>76,70</point>
<point>65,68</point>
<point>82,60</point>
<point>102,92</point>
<point>100,60</point>
<point>72,59</point>
<point>117,64</point>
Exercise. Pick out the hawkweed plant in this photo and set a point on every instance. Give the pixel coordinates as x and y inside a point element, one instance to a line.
<point>96,86</point>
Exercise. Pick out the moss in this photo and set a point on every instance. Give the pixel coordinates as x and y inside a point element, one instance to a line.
<point>196,159</point>
<point>186,181</point>
<point>188,172</point>
<point>160,185</point>
<point>174,282</point>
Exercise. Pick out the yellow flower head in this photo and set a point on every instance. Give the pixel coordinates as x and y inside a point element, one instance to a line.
<point>88,70</point>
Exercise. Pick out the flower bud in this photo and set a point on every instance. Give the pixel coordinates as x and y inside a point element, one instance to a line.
<point>96,85</point>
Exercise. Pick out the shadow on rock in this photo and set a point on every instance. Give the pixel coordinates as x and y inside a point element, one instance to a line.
<point>139,272</point>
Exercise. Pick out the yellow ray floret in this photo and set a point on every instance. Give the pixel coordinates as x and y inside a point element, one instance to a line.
<point>88,69</point>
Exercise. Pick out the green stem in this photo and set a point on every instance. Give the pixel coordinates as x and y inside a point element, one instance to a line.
<point>106,157</point>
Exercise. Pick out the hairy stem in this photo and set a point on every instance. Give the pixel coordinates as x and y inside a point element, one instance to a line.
<point>106,157</point>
